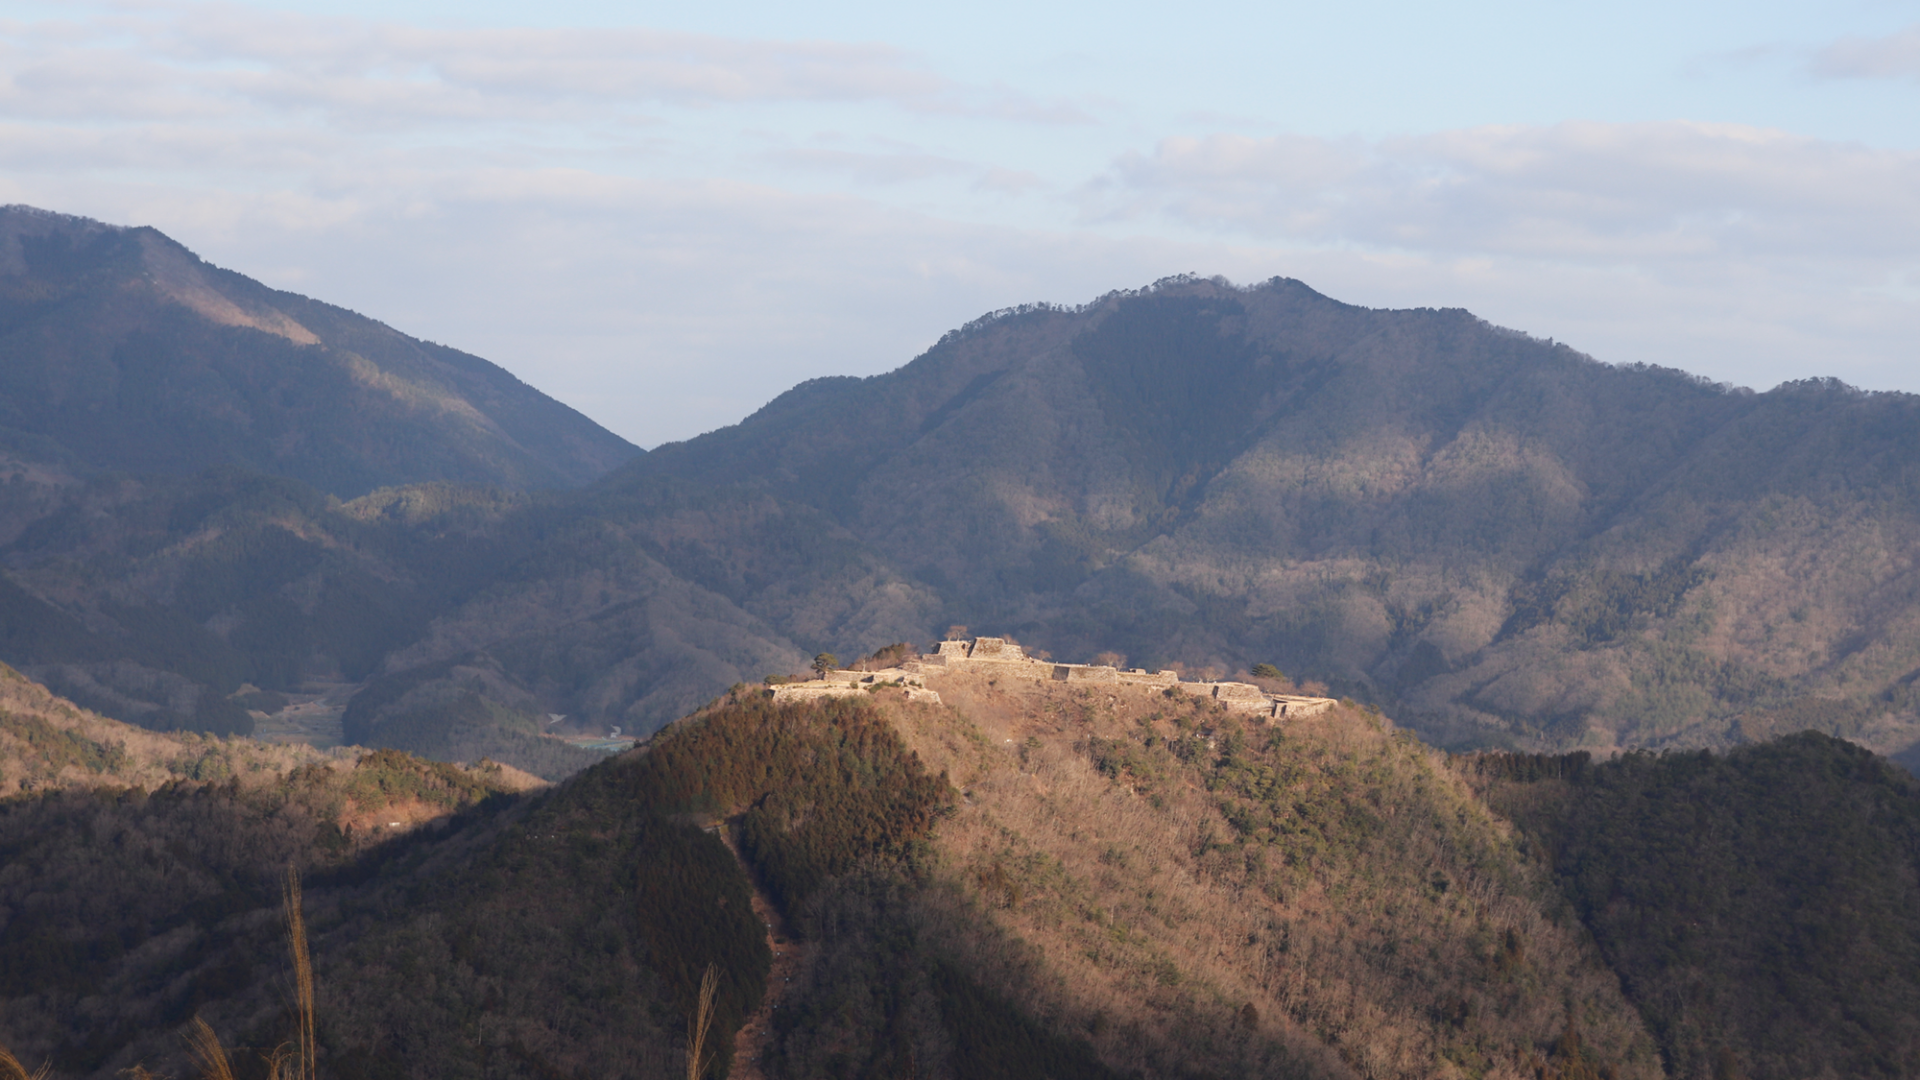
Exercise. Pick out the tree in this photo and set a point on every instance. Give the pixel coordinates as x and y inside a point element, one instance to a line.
<point>824,663</point>
<point>1265,671</point>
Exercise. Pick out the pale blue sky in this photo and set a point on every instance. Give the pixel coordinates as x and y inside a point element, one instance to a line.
<point>664,214</point>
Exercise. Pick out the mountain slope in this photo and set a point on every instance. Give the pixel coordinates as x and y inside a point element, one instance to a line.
<point>171,602</point>
<point>1759,906</point>
<point>1077,906</point>
<point>1505,539</point>
<point>127,353</point>
<point>1026,877</point>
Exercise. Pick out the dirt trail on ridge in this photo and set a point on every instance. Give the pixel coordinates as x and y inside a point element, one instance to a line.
<point>755,1038</point>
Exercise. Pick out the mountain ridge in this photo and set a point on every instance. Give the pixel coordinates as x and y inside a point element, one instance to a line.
<point>1504,541</point>
<point>1155,486</point>
<point>137,356</point>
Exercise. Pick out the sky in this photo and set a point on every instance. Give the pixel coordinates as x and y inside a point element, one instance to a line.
<point>665,215</point>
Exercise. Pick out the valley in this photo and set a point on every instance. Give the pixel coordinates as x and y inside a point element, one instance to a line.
<point>310,717</point>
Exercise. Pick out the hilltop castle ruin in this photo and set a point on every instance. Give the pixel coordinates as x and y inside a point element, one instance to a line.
<point>1001,657</point>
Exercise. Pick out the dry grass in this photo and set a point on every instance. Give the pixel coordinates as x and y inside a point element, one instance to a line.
<point>289,1062</point>
<point>700,1024</point>
<point>304,1060</point>
<point>11,1069</point>
<point>207,1051</point>
<point>1419,948</point>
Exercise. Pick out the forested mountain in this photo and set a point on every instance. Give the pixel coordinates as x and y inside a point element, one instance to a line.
<point>223,506</point>
<point>184,603</point>
<point>123,352</point>
<point>1762,907</point>
<point>1024,879</point>
<point>1502,541</point>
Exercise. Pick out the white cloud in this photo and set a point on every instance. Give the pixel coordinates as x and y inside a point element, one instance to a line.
<point>1892,56</point>
<point>208,61</point>
<point>1577,192</point>
<point>1748,255</point>
<point>618,215</point>
<point>871,168</point>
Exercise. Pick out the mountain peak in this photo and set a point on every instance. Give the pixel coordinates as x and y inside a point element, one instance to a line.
<point>129,353</point>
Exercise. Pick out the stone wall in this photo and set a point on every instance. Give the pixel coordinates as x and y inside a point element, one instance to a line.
<point>993,648</point>
<point>998,655</point>
<point>812,691</point>
<point>1003,658</point>
<point>1288,706</point>
<point>1085,673</point>
<point>844,683</point>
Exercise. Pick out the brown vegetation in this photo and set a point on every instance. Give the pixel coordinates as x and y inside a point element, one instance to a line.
<point>1185,888</point>
<point>1032,878</point>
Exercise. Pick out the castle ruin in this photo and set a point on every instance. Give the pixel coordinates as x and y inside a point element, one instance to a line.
<point>1000,657</point>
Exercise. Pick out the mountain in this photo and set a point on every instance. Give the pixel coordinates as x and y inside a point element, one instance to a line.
<point>209,603</point>
<point>126,353</point>
<point>1502,539</point>
<point>927,911</point>
<point>1762,907</point>
<point>1025,878</point>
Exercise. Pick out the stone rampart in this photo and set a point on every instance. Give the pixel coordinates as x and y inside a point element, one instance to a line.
<point>1085,673</point>
<point>1237,691</point>
<point>812,691</point>
<point>998,655</point>
<point>997,650</point>
<point>1293,706</point>
<point>844,683</point>
<point>1002,658</point>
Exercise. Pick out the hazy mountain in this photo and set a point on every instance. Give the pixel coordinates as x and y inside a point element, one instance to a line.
<point>167,601</point>
<point>1502,538</point>
<point>124,352</point>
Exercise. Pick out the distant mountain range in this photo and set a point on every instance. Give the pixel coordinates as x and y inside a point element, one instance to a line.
<point>1497,539</point>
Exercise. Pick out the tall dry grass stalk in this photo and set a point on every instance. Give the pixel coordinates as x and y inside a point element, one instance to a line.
<point>304,1061</point>
<point>295,1063</point>
<point>699,1024</point>
<point>11,1069</point>
<point>208,1051</point>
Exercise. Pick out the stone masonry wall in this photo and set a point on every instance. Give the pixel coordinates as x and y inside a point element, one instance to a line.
<point>1004,658</point>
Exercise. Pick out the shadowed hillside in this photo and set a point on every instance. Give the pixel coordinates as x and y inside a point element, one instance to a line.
<point>1024,878</point>
<point>1762,908</point>
<point>208,603</point>
<point>1035,878</point>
